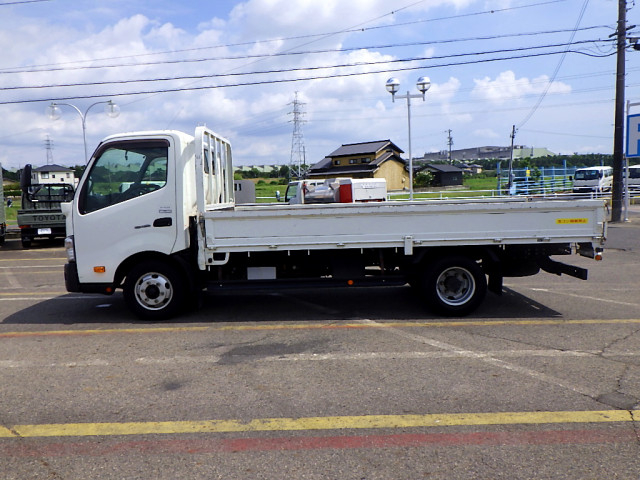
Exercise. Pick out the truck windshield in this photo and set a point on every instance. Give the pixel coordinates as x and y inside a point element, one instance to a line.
<point>124,171</point>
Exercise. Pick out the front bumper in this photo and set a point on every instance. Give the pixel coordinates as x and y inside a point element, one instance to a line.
<point>72,282</point>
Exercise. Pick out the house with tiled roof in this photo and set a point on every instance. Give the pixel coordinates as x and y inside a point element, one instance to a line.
<point>52,174</point>
<point>379,159</point>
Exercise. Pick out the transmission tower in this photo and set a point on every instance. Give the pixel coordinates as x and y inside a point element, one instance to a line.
<point>48,144</point>
<point>297,159</point>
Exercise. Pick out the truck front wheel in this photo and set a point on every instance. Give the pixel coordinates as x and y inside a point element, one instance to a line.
<point>154,290</point>
<point>454,286</point>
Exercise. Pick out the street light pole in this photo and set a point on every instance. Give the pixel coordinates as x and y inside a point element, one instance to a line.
<point>393,86</point>
<point>111,109</point>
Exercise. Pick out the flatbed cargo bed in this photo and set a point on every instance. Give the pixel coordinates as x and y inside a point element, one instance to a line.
<point>404,225</point>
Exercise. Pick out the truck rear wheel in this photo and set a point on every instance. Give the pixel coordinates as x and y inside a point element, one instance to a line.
<point>454,286</point>
<point>154,290</point>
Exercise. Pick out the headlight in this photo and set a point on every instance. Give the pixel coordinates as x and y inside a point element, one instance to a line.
<point>70,249</point>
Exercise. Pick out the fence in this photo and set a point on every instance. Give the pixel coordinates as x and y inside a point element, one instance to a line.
<point>541,181</point>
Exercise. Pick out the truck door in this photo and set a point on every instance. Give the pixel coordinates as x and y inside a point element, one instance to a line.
<point>126,204</point>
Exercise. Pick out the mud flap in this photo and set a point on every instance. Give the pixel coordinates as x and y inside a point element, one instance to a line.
<point>558,268</point>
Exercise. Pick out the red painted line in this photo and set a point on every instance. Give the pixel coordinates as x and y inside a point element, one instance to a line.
<point>22,448</point>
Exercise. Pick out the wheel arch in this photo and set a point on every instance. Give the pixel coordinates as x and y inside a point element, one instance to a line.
<point>485,254</point>
<point>176,260</point>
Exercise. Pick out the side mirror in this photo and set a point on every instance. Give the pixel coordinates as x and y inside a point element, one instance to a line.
<point>571,177</point>
<point>278,196</point>
<point>25,178</point>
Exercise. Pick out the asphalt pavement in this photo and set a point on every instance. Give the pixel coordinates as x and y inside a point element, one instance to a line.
<point>542,382</point>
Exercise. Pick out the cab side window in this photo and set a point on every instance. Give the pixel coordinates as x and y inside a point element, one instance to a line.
<point>124,171</point>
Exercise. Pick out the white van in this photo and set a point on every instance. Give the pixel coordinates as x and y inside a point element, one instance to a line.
<point>633,179</point>
<point>593,179</point>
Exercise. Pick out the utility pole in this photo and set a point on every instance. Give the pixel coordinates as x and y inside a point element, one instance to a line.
<point>618,136</point>
<point>297,158</point>
<point>510,182</point>
<point>450,143</point>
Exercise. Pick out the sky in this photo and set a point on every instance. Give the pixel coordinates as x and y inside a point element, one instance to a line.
<point>547,67</point>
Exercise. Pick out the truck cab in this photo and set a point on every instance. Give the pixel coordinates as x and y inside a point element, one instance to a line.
<point>40,215</point>
<point>296,189</point>
<point>633,178</point>
<point>593,180</point>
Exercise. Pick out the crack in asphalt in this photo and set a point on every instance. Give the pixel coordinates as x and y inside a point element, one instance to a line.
<point>616,399</point>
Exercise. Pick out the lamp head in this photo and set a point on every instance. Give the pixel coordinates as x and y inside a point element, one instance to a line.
<point>423,84</point>
<point>393,85</point>
<point>53,111</point>
<point>112,109</point>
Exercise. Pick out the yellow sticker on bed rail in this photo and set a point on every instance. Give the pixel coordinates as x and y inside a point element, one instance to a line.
<point>564,221</point>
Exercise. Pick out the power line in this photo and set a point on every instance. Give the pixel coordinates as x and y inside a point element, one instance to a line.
<point>297,53</point>
<point>290,80</point>
<point>4,4</point>
<point>557,69</point>
<point>306,69</point>
<point>354,29</point>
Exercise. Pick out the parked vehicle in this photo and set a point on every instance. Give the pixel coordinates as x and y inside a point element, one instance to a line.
<point>176,230</point>
<point>3,218</point>
<point>633,179</point>
<point>593,180</point>
<point>337,190</point>
<point>296,188</point>
<point>40,215</point>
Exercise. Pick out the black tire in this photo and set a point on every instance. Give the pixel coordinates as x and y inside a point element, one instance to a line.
<point>454,286</point>
<point>154,290</point>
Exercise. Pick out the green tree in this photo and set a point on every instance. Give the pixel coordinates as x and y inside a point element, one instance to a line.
<point>423,179</point>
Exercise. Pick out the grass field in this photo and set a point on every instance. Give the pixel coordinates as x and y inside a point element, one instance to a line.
<point>12,212</point>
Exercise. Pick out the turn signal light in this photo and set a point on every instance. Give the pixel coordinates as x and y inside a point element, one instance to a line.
<point>99,269</point>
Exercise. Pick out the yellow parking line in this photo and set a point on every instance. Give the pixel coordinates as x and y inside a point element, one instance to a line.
<point>30,294</point>
<point>318,326</point>
<point>318,423</point>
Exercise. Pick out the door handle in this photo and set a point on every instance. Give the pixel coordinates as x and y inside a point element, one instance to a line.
<point>163,222</point>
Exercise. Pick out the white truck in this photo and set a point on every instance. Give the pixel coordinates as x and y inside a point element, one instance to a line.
<point>176,231</point>
<point>633,179</point>
<point>593,180</point>
<point>336,190</point>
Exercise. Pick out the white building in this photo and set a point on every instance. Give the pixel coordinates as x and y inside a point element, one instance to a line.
<point>53,174</point>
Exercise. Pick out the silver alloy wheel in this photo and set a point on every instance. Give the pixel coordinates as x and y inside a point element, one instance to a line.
<point>455,286</point>
<point>153,291</point>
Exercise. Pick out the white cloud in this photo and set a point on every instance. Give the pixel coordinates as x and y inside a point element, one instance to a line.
<point>271,18</point>
<point>255,118</point>
<point>486,133</point>
<point>506,87</point>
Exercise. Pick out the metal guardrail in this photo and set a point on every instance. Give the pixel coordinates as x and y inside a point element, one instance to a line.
<point>558,184</point>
